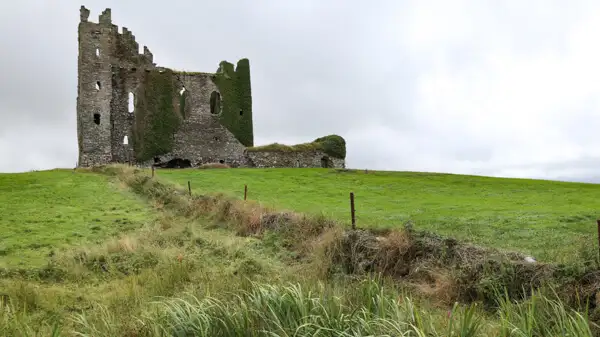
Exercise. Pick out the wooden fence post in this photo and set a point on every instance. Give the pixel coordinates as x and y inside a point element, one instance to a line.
<point>352,210</point>
<point>190,187</point>
<point>598,221</point>
<point>245,191</point>
<point>152,171</point>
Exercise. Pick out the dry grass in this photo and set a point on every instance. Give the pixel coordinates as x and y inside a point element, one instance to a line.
<point>438,267</point>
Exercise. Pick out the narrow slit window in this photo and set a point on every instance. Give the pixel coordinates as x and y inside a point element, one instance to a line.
<point>130,102</point>
<point>125,140</point>
<point>98,85</point>
<point>97,52</point>
<point>97,119</point>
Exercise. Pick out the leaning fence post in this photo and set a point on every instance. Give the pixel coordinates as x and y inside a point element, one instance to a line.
<point>190,188</point>
<point>152,171</point>
<point>245,191</point>
<point>352,211</point>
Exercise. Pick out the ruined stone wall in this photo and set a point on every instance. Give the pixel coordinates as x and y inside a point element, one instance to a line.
<point>104,54</point>
<point>94,91</point>
<point>195,117</point>
<point>201,137</point>
<point>305,159</point>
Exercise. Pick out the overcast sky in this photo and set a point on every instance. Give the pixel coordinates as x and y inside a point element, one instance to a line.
<point>491,87</point>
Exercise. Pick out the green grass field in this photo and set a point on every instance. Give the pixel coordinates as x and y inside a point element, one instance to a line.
<point>132,266</point>
<point>550,220</point>
<point>42,211</point>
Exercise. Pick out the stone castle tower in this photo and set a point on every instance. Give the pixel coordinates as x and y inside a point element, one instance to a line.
<point>128,109</point>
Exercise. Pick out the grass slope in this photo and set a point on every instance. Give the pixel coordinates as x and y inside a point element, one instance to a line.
<point>42,211</point>
<point>186,273</point>
<point>548,219</point>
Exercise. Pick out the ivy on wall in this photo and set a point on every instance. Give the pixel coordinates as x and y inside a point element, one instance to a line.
<point>333,145</point>
<point>236,96</point>
<point>155,119</point>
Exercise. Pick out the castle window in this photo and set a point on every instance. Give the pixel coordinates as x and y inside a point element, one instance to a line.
<point>130,102</point>
<point>221,161</point>
<point>97,52</point>
<point>97,119</point>
<point>125,140</point>
<point>241,112</point>
<point>98,86</point>
<point>215,103</point>
<point>217,138</point>
<point>182,91</point>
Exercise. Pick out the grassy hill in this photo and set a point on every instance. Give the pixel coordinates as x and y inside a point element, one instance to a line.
<point>112,252</point>
<point>548,219</point>
<point>42,211</point>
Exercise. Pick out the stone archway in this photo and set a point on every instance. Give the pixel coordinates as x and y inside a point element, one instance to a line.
<point>326,162</point>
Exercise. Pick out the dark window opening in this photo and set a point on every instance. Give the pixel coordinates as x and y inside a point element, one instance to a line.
<point>215,103</point>
<point>221,161</point>
<point>133,69</point>
<point>97,119</point>
<point>175,163</point>
<point>241,112</point>
<point>98,86</point>
<point>216,138</point>
<point>326,162</point>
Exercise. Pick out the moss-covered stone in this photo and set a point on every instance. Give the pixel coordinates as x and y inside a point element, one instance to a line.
<point>236,94</point>
<point>333,145</point>
<point>156,120</point>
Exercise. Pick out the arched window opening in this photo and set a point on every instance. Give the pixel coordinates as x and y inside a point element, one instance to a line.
<point>97,52</point>
<point>130,101</point>
<point>97,119</point>
<point>125,140</point>
<point>98,86</point>
<point>215,103</point>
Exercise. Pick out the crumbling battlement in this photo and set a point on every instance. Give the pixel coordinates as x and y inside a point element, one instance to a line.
<point>131,110</point>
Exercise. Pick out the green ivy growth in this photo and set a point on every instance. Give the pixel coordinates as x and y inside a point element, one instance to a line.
<point>333,145</point>
<point>156,120</point>
<point>236,96</point>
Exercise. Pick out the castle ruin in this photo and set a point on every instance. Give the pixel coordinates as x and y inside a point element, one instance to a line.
<point>131,110</point>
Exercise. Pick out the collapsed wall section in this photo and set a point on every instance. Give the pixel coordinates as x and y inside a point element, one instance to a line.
<point>325,152</point>
<point>303,159</point>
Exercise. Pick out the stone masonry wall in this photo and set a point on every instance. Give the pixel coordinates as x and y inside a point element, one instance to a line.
<point>306,159</point>
<point>202,138</point>
<point>102,90</point>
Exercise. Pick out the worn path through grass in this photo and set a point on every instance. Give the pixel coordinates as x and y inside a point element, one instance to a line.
<point>551,220</point>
